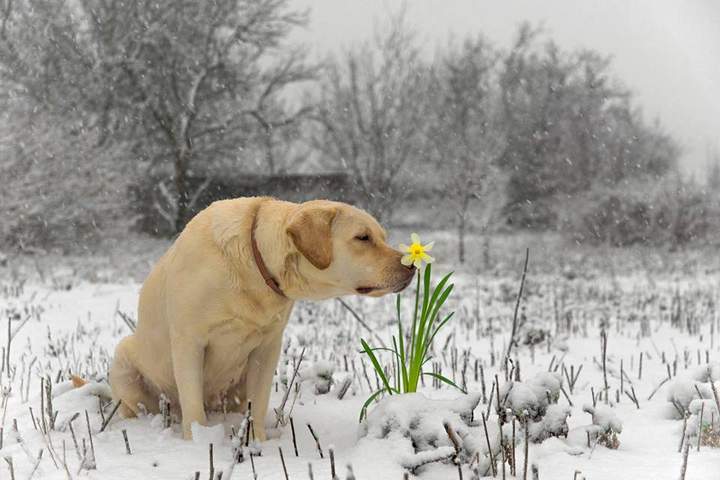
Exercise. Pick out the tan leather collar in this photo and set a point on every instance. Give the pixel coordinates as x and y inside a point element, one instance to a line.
<point>267,276</point>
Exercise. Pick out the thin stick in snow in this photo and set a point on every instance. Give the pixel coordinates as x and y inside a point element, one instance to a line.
<point>657,388</point>
<point>682,437</point>
<point>527,442</point>
<point>700,424</point>
<point>112,413</point>
<point>280,411</point>
<point>9,461</point>
<point>127,442</point>
<point>513,333</point>
<point>683,469</point>
<point>74,437</point>
<point>603,340</point>
<point>490,452</point>
<point>37,464</point>
<point>714,391</point>
<point>317,442</point>
<point>212,462</point>
<point>282,460</point>
<point>362,322</point>
<point>333,475</point>
<point>292,429</point>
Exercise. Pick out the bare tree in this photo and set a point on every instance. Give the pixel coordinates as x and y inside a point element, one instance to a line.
<point>188,80</point>
<point>372,115</point>
<point>565,113</point>
<point>712,169</point>
<point>468,135</point>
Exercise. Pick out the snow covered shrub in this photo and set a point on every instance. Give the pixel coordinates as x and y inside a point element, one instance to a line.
<point>684,390</point>
<point>416,423</point>
<point>534,336</point>
<point>533,396</point>
<point>535,400</point>
<point>320,375</point>
<point>710,434</point>
<point>671,212</point>
<point>552,424</point>
<point>605,427</point>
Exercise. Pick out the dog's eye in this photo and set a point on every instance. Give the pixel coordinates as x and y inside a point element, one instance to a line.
<point>363,238</point>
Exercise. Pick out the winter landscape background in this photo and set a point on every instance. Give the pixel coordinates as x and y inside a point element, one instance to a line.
<point>586,133</point>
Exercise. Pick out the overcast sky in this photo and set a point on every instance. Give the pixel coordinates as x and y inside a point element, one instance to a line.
<point>666,51</point>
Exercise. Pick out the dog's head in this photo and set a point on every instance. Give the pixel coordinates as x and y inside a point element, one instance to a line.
<point>343,250</point>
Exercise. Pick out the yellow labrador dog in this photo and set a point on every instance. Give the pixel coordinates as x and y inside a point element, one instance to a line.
<point>213,309</point>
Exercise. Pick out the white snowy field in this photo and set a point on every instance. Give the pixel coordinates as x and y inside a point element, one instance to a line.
<point>67,326</point>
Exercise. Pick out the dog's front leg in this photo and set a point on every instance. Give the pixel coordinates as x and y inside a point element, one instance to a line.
<point>188,356</point>
<point>261,366</point>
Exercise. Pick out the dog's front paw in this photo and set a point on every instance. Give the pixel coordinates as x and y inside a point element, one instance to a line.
<point>187,431</point>
<point>260,433</point>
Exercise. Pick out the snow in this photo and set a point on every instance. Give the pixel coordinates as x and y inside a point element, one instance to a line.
<point>76,330</point>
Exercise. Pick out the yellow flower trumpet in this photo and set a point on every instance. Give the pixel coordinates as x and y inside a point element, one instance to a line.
<point>415,254</point>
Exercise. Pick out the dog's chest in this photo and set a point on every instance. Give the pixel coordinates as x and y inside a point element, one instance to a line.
<point>233,341</point>
<point>230,344</point>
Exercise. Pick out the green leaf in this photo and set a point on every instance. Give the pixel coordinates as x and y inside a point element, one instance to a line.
<point>402,364</point>
<point>426,289</point>
<point>376,364</point>
<point>439,304</point>
<point>437,329</point>
<point>444,379</point>
<point>438,289</point>
<point>363,410</point>
<point>415,314</point>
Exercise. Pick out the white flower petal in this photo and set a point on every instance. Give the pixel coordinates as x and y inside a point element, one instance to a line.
<point>415,238</point>
<point>427,258</point>
<point>406,260</point>
<point>404,248</point>
<point>418,263</point>
<point>429,246</point>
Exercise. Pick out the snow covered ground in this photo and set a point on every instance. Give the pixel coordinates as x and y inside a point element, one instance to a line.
<point>64,325</point>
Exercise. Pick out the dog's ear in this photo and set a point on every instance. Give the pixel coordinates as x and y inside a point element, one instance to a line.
<point>310,230</point>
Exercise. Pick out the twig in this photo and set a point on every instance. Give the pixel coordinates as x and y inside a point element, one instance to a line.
<point>127,442</point>
<point>658,388</point>
<point>333,474</point>
<point>37,464</point>
<point>9,461</point>
<point>212,462</point>
<point>700,425</point>
<point>714,390</point>
<point>527,441</point>
<point>282,460</point>
<point>490,452</point>
<point>279,412</point>
<point>317,442</point>
<point>362,322</point>
<point>683,469</point>
<point>107,420</point>
<point>515,314</point>
<point>292,429</point>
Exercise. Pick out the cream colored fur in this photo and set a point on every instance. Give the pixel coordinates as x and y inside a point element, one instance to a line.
<point>209,328</point>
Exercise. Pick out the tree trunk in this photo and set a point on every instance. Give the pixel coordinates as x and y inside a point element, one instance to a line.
<point>182,159</point>
<point>486,251</point>
<point>461,239</point>
<point>462,221</point>
<point>269,154</point>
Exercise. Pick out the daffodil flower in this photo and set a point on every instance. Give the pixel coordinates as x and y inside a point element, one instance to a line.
<point>415,254</point>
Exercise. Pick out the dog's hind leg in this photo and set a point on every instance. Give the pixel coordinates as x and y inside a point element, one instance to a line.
<point>127,382</point>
